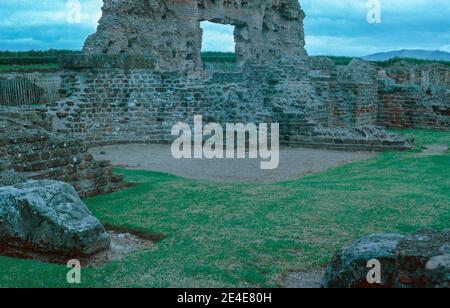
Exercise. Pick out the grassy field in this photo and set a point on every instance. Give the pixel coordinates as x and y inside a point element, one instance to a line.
<point>19,61</point>
<point>30,67</point>
<point>218,57</point>
<point>347,60</point>
<point>412,61</point>
<point>47,60</point>
<point>230,235</point>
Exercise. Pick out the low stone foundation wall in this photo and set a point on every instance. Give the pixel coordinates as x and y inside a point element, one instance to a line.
<point>361,139</point>
<point>41,157</point>
<point>34,153</point>
<point>403,110</point>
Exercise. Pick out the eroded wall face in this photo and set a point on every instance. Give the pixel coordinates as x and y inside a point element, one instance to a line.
<point>29,150</point>
<point>267,31</point>
<point>413,96</point>
<point>316,103</point>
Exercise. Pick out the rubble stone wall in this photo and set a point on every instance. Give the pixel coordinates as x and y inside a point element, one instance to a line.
<point>316,102</point>
<point>415,96</point>
<point>28,148</point>
<point>311,100</point>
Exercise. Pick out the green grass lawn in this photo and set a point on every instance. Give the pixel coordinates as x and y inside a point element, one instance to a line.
<point>235,235</point>
<point>30,67</point>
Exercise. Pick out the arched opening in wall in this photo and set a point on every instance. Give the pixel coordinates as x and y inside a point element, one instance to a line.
<point>218,46</point>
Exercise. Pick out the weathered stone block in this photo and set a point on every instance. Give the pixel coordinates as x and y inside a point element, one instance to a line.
<point>420,260</point>
<point>49,217</point>
<point>348,269</point>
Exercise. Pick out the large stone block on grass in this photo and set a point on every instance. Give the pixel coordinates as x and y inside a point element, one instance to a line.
<point>348,269</point>
<point>420,260</point>
<point>49,217</point>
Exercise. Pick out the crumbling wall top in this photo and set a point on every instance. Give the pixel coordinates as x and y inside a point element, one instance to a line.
<point>265,30</point>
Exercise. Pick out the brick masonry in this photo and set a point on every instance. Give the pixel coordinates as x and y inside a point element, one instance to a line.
<point>313,100</point>
<point>126,99</point>
<point>33,152</point>
<point>415,96</point>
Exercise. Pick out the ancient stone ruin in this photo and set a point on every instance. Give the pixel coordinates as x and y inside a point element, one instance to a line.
<point>141,73</point>
<point>265,30</point>
<point>29,149</point>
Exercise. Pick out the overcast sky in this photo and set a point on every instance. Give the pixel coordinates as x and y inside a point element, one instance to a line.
<point>333,27</point>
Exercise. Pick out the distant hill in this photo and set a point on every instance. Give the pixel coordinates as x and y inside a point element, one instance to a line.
<point>435,55</point>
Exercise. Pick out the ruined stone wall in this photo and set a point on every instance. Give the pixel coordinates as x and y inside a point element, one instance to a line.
<point>169,30</point>
<point>109,99</point>
<point>28,148</point>
<point>349,91</point>
<point>312,100</point>
<point>119,105</point>
<point>415,96</point>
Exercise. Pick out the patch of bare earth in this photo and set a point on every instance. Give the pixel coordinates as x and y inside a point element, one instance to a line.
<point>304,280</point>
<point>122,244</point>
<point>435,149</point>
<point>294,163</point>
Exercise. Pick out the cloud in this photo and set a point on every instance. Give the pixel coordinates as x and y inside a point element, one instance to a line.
<point>217,37</point>
<point>333,27</point>
<point>27,24</point>
<point>341,27</point>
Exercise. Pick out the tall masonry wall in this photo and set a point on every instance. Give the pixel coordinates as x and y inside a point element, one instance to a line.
<point>314,101</point>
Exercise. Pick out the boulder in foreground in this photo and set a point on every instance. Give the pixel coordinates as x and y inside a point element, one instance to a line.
<point>49,217</point>
<point>348,269</point>
<point>421,260</point>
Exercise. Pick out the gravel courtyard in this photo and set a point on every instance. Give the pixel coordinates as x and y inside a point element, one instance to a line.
<point>294,163</point>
